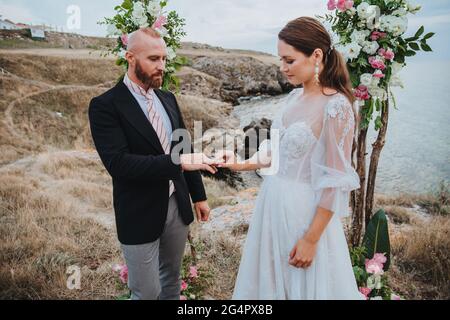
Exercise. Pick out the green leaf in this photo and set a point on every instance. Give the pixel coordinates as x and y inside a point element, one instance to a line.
<point>414,46</point>
<point>410,53</point>
<point>419,32</point>
<point>425,47</point>
<point>127,4</point>
<point>412,39</point>
<point>376,239</point>
<point>428,35</point>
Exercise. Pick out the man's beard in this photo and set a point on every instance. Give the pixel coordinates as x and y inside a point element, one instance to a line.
<point>155,81</point>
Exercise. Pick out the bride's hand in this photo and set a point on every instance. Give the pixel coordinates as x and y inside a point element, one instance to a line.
<point>303,253</point>
<point>228,159</point>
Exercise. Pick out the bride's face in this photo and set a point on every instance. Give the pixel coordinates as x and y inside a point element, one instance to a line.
<point>297,67</point>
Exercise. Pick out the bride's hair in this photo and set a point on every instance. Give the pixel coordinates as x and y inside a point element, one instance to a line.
<point>306,35</point>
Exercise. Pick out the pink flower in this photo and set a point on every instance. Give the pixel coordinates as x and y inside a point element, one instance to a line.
<point>332,4</point>
<point>183,297</point>
<point>365,291</point>
<point>374,267</point>
<point>124,39</point>
<point>377,35</point>
<point>124,274</point>
<point>380,258</point>
<point>395,297</point>
<point>378,74</point>
<point>387,54</point>
<point>193,272</point>
<point>160,22</point>
<point>362,93</point>
<point>344,5</point>
<point>376,63</point>
<point>184,285</point>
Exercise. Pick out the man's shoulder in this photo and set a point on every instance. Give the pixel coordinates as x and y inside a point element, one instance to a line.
<point>107,97</point>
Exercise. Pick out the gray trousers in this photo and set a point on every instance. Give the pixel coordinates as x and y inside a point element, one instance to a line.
<point>154,268</point>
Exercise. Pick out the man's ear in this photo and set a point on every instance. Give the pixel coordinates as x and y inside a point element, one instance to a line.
<point>129,56</point>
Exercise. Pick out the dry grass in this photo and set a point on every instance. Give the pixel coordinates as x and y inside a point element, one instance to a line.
<point>42,231</point>
<point>422,260</point>
<point>59,70</point>
<point>57,118</point>
<point>221,257</point>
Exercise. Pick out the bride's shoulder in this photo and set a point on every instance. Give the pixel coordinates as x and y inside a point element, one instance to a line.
<point>338,105</point>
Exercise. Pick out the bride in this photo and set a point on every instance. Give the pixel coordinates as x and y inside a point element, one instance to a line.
<point>296,246</point>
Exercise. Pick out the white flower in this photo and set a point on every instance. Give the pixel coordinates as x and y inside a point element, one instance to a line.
<point>350,51</point>
<point>370,47</point>
<point>374,282</point>
<point>400,12</point>
<point>377,298</point>
<point>378,93</point>
<point>395,25</point>
<point>360,37</point>
<point>396,67</point>
<point>396,81</point>
<point>363,10</point>
<point>162,32</point>
<point>351,12</point>
<point>138,16</point>
<point>138,9</point>
<point>414,8</point>
<point>122,53</point>
<point>366,79</point>
<point>171,53</point>
<point>112,30</point>
<point>154,8</point>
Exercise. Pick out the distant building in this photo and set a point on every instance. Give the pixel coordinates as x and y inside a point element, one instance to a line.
<point>8,25</point>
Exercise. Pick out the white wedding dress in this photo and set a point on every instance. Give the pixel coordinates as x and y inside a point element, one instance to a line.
<point>314,169</point>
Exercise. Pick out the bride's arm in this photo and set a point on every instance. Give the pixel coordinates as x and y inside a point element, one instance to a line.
<point>261,159</point>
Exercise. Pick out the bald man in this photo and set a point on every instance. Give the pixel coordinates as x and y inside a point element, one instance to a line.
<point>132,126</point>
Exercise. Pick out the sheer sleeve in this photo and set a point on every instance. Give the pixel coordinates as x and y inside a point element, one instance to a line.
<point>332,174</point>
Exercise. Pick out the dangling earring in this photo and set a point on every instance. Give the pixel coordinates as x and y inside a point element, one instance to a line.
<point>316,75</point>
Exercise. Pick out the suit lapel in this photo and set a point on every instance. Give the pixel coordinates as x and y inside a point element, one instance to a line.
<point>129,107</point>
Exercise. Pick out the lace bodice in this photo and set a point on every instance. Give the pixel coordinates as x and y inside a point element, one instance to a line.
<point>313,146</point>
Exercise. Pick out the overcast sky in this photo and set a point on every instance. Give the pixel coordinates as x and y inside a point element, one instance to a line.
<point>241,24</point>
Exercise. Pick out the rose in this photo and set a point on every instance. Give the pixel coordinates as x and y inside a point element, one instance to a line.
<point>374,266</point>
<point>160,22</point>
<point>124,275</point>
<point>184,285</point>
<point>378,74</point>
<point>124,39</point>
<point>377,63</point>
<point>332,5</point>
<point>362,93</point>
<point>193,272</point>
<point>380,258</point>
<point>365,291</point>
<point>344,5</point>
<point>377,35</point>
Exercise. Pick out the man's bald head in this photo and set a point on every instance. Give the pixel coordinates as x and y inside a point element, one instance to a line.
<point>138,39</point>
<point>146,56</point>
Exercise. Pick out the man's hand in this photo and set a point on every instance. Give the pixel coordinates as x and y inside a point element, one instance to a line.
<point>198,161</point>
<point>202,211</point>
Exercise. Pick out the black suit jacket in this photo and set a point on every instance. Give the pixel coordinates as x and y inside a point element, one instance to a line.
<point>132,154</point>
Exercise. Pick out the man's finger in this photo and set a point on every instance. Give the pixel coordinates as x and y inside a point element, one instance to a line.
<point>208,168</point>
